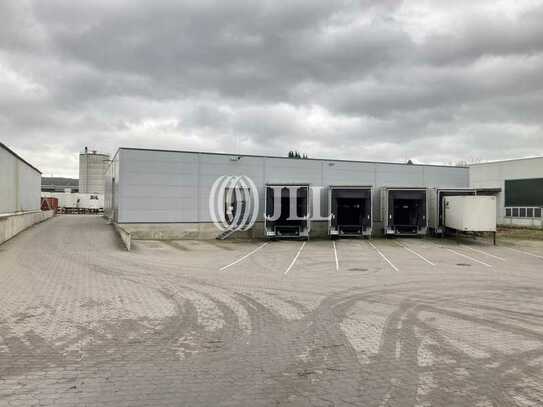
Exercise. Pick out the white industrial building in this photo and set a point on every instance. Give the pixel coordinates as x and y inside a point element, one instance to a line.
<point>162,194</point>
<point>20,189</point>
<point>92,168</point>
<point>521,183</point>
<point>165,194</point>
<point>20,183</point>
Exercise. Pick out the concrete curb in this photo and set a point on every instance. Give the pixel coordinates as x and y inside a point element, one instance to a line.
<point>11,224</point>
<point>125,236</point>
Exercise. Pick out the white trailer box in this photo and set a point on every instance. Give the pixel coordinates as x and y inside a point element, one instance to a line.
<point>65,199</point>
<point>437,201</point>
<point>470,213</point>
<point>77,200</point>
<point>90,201</point>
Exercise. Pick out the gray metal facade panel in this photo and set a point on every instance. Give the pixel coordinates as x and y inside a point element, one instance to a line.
<point>399,175</point>
<point>8,185</point>
<point>29,187</point>
<point>165,186</point>
<point>214,166</point>
<point>280,171</point>
<point>158,187</point>
<point>348,173</point>
<point>20,184</point>
<point>446,178</point>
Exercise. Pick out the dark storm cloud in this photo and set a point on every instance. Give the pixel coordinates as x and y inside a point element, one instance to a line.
<point>237,49</point>
<point>386,80</point>
<point>484,35</point>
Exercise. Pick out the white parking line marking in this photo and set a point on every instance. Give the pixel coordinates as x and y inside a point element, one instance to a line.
<point>416,254</point>
<point>526,253</point>
<point>295,258</point>
<point>244,257</point>
<point>469,257</point>
<point>335,255</point>
<point>383,256</point>
<point>483,252</point>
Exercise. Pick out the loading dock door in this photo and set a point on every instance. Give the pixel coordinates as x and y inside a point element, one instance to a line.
<point>292,217</point>
<point>350,211</point>
<point>406,212</point>
<point>350,214</point>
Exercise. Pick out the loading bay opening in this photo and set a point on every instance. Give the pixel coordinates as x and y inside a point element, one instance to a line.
<point>287,211</point>
<point>350,211</point>
<point>405,211</point>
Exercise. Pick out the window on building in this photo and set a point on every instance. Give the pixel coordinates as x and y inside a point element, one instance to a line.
<point>537,212</point>
<point>508,212</point>
<point>524,192</point>
<point>515,212</point>
<point>529,212</point>
<point>522,212</point>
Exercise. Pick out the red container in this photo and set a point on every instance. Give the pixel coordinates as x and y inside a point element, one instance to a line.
<point>49,203</point>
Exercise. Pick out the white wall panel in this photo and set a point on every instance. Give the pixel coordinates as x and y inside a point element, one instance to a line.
<point>29,187</point>
<point>8,182</point>
<point>158,186</point>
<point>348,173</point>
<point>20,184</point>
<point>168,186</point>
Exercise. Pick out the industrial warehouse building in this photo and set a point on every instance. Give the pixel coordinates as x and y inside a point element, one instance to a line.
<point>521,183</point>
<point>165,194</point>
<point>20,183</point>
<point>161,194</point>
<point>20,189</point>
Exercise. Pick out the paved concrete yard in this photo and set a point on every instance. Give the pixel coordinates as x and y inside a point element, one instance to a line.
<point>391,323</point>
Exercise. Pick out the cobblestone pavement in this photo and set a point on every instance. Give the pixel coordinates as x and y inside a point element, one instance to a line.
<point>401,323</point>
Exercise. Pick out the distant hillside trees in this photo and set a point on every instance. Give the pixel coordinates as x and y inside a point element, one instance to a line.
<point>296,155</point>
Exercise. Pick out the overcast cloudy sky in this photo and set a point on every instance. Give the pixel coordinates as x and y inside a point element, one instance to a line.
<point>433,81</point>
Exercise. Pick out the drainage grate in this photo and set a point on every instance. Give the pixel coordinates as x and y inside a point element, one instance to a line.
<point>357,269</point>
<point>463,264</point>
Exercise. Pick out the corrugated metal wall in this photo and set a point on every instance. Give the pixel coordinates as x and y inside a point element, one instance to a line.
<point>92,169</point>
<point>174,187</point>
<point>20,184</point>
